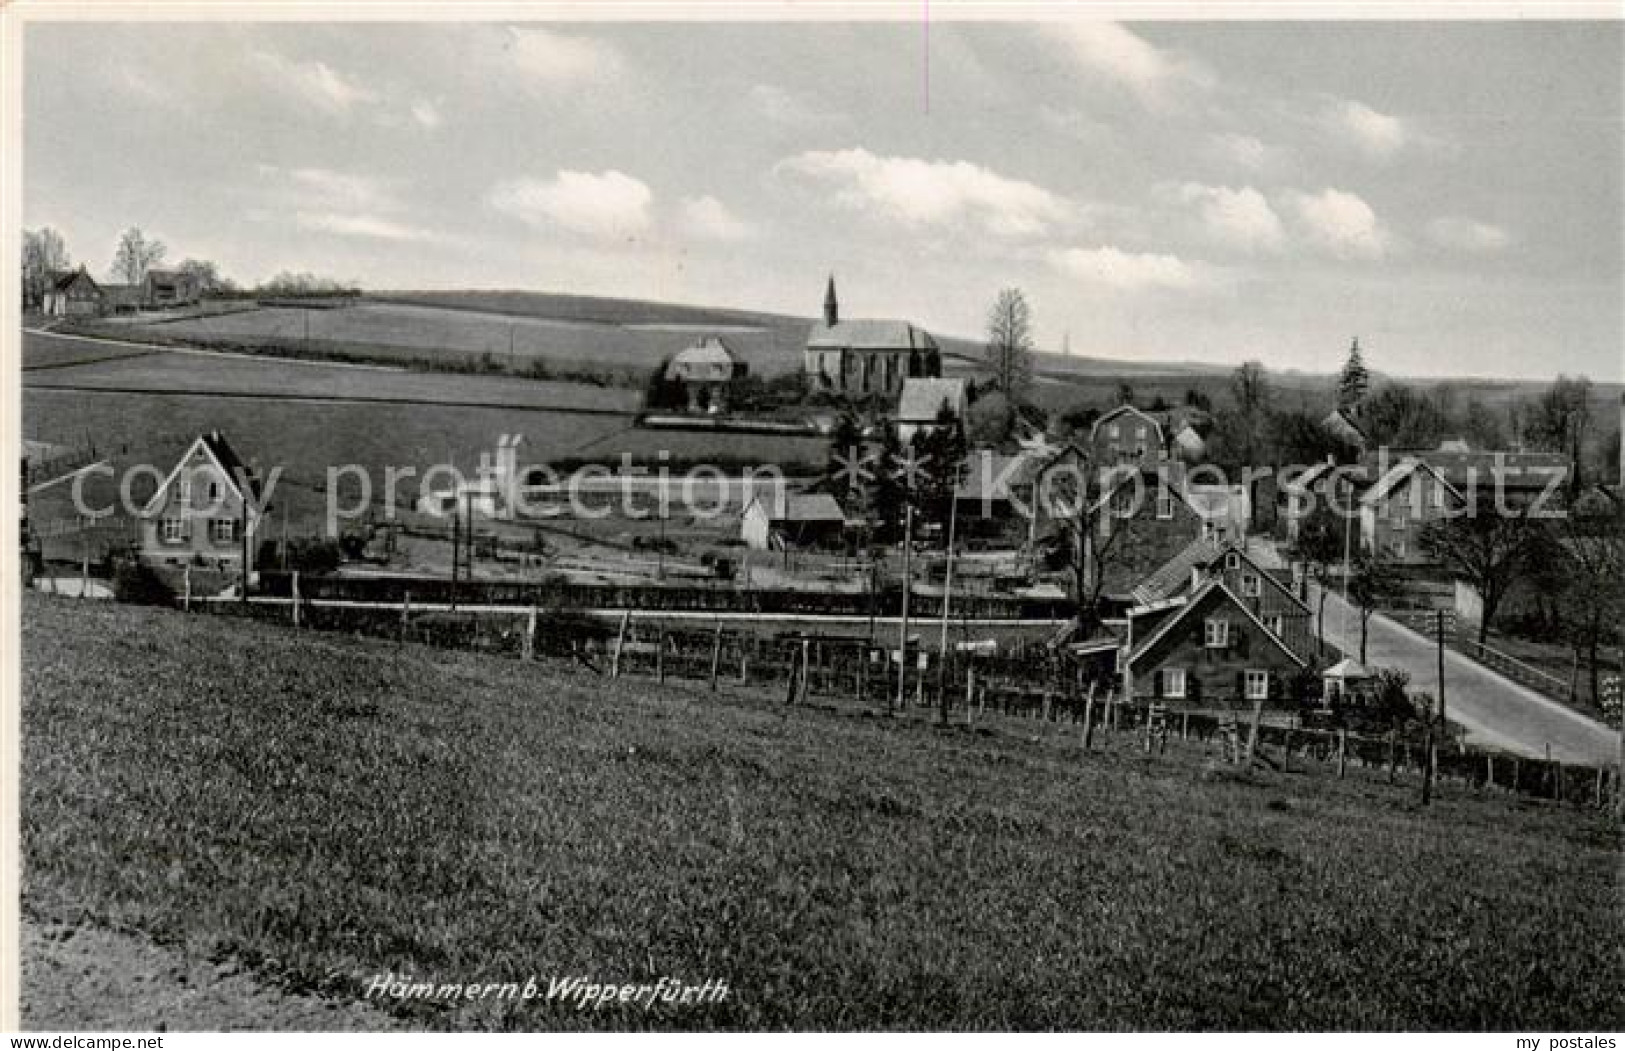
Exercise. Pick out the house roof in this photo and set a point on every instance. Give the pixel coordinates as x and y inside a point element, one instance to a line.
<point>871,334</point>
<point>1484,466</point>
<point>1337,421</point>
<point>1400,473</point>
<point>1300,482</point>
<point>991,475</point>
<point>62,280</point>
<point>709,351</point>
<point>923,399</point>
<point>1217,501</point>
<point>1348,668</point>
<point>1205,598</point>
<point>1174,574</point>
<point>799,507</point>
<point>1122,410</point>
<point>225,458</point>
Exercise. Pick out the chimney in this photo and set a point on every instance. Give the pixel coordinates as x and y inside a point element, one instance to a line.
<point>832,308</point>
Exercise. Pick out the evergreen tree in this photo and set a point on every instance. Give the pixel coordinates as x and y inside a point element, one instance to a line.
<point>1352,384</point>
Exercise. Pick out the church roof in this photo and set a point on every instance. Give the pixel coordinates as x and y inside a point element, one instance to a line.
<point>871,334</point>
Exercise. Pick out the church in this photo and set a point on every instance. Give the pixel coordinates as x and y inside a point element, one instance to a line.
<point>867,356</point>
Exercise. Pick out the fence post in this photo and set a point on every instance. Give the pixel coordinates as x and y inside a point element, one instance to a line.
<point>790,680</point>
<point>744,661</point>
<point>1342,753</point>
<point>716,655</point>
<point>1489,771</point>
<point>406,613</point>
<point>186,588</point>
<point>528,647</point>
<point>806,671</point>
<point>1089,716</point>
<point>620,641</point>
<point>660,655</point>
<point>1252,731</point>
<point>970,691</point>
<point>296,598</point>
<point>1393,754</point>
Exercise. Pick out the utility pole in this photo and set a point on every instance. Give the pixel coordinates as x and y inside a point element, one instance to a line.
<point>902,630</point>
<point>948,574</point>
<point>456,543</point>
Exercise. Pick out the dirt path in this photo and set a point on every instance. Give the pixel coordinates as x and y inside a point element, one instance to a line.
<point>87,978</point>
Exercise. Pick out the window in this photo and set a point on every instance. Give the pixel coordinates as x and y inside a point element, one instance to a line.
<point>214,492</point>
<point>1216,633</point>
<point>1275,623</point>
<point>1232,561</point>
<point>1114,432</point>
<point>1173,682</point>
<point>1258,685</point>
<point>222,530</point>
<point>1250,585</point>
<point>183,489</point>
<point>174,530</point>
<point>1165,505</point>
<point>1438,496</point>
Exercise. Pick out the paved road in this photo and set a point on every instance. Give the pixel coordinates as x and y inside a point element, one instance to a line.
<point>1494,710</point>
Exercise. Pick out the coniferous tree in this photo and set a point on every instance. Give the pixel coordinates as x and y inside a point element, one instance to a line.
<point>1354,380</point>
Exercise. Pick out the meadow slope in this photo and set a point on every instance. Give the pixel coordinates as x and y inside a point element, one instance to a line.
<point>324,809</point>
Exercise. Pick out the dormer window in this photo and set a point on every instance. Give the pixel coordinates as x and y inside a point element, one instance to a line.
<point>1250,585</point>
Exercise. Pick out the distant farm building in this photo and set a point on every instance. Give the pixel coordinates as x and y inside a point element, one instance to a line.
<point>206,512</point>
<point>161,289</point>
<point>867,356</point>
<point>1340,424</point>
<point>1127,436</point>
<point>1399,505</point>
<point>73,293</point>
<point>706,372</point>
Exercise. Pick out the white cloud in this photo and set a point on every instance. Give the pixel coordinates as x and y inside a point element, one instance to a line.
<point>426,113</point>
<point>1241,219</point>
<point>329,190</point>
<point>606,205</point>
<point>1376,134</point>
<point>709,219</point>
<point>1247,152</point>
<point>1340,223</point>
<point>555,60</point>
<point>1128,271</point>
<point>918,192</point>
<point>315,83</point>
<point>1468,235</point>
<point>357,225</point>
<point>1116,54</point>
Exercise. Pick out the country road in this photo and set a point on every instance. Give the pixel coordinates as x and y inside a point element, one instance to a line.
<point>1494,710</point>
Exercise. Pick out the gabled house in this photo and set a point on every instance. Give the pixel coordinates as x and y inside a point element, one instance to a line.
<point>1340,424</point>
<point>1140,520</point>
<point>1126,436</point>
<point>72,293</point>
<point>1399,505</point>
<point>1325,484</point>
<point>1518,476</point>
<point>207,511</point>
<point>706,371</point>
<point>775,519</point>
<point>922,402</point>
<point>1260,589</point>
<point>1207,650</point>
<point>170,288</point>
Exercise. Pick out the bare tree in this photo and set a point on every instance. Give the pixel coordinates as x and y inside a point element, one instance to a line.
<point>136,255</point>
<point>1371,583</point>
<point>1010,343</point>
<point>206,272</point>
<point>1488,551</point>
<point>43,252</point>
<point>1590,558</point>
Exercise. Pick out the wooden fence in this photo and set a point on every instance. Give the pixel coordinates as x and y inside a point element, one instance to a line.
<point>1033,683</point>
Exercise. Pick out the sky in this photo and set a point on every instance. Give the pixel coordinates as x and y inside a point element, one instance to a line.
<point>1450,193</point>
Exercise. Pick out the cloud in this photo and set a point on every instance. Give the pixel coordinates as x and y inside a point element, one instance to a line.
<point>1340,223</point>
<point>1378,135</point>
<point>1247,152</point>
<point>426,113</point>
<point>1241,219</point>
<point>1129,271</point>
<point>707,218</point>
<point>325,189</point>
<point>916,192</point>
<point>787,108</point>
<point>1115,54</point>
<point>554,60</point>
<point>1468,235</point>
<point>606,205</point>
<point>357,225</point>
<point>315,83</point>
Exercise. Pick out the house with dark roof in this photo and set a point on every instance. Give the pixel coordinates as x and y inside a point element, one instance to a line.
<point>1207,650</point>
<point>866,356</point>
<point>1260,589</point>
<point>1141,519</point>
<point>72,293</point>
<point>1127,436</point>
<point>207,511</point>
<point>1518,476</point>
<point>161,289</point>
<point>1408,497</point>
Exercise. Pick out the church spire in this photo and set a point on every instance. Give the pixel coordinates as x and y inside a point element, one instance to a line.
<point>832,309</point>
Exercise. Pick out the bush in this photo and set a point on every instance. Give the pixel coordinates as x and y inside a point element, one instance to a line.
<point>135,582</point>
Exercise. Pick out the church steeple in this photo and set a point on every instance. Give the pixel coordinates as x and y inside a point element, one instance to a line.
<point>832,308</point>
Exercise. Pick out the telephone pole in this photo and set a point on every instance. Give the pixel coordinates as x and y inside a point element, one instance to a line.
<point>902,630</point>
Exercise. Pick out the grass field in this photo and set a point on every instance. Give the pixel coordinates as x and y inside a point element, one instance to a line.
<point>328,809</point>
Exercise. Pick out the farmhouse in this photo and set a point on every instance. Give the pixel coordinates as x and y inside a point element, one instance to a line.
<point>1259,590</point>
<point>73,293</point>
<point>775,519</point>
<point>1141,521</point>
<point>706,372</point>
<point>866,356</point>
<point>922,403</point>
<point>207,510</point>
<point>1396,508</point>
<point>1519,476</point>
<point>1329,484</point>
<point>1127,436</point>
<point>1206,650</point>
<point>170,288</point>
